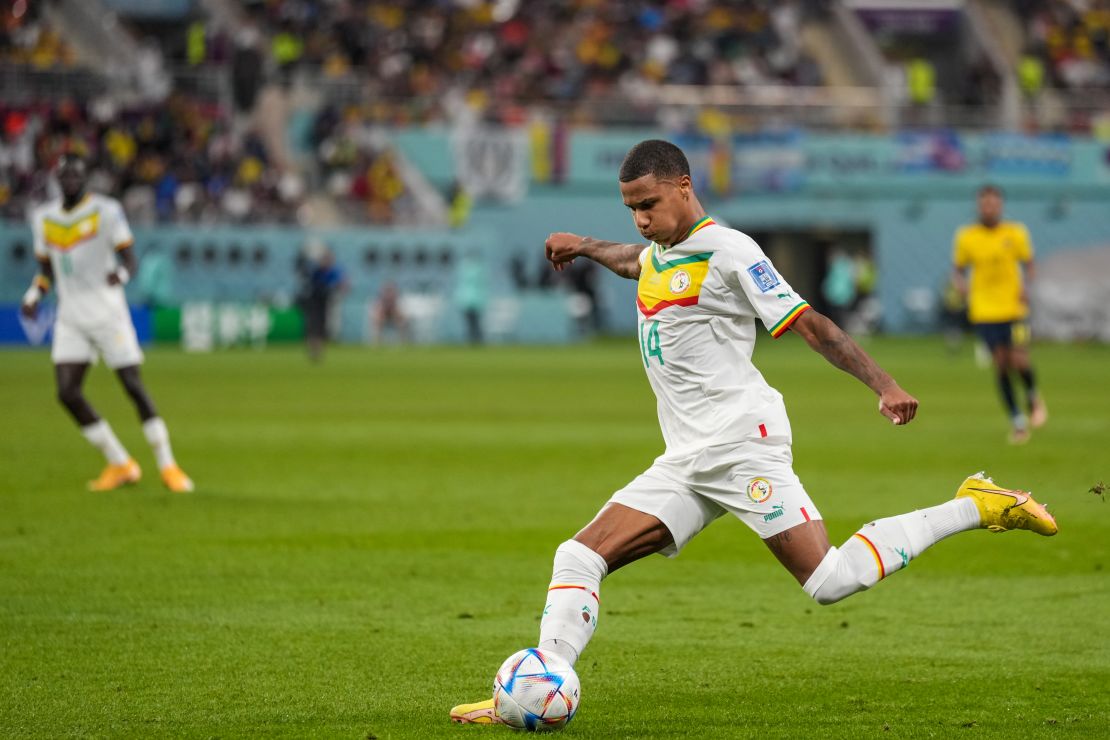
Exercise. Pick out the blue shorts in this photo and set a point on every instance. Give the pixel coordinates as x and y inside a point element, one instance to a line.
<point>1003,334</point>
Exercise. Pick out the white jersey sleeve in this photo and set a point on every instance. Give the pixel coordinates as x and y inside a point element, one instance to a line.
<point>765,290</point>
<point>117,228</point>
<point>38,240</point>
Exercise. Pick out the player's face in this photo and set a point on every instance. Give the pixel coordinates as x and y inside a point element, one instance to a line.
<point>990,208</point>
<point>71,179</point>
<point>660,208</point>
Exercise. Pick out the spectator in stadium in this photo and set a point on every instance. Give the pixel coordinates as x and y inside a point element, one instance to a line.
<point>322,281</point>
<point>839,287</point>
<point>582,276</point>
<point>386,315</point>
<point>471,294</point>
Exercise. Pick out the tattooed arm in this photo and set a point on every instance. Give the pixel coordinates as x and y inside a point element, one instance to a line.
<point>828,339</point>
<point>623,259</point>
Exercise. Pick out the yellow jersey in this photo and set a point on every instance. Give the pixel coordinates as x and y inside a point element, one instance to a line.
<point>995,256</point>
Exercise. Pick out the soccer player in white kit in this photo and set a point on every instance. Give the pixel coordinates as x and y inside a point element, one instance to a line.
<point>83,245</point>
<point>701,289</point>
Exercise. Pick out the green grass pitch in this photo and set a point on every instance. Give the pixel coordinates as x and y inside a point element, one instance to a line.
<point>371,537</point>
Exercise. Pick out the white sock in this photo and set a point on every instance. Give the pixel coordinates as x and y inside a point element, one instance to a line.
<point>885,546</point>
<point>101,436</point>
<point>570,616</point>
<point>159,438</point>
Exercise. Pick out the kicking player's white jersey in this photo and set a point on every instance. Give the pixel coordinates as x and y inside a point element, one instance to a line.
<point>93,318</point>
<point>698,302</point>
<point>728,438</point>
<point>81,244</point>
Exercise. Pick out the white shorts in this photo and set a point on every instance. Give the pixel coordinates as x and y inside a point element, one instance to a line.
<point>754,481</point>
<point>116,342</point>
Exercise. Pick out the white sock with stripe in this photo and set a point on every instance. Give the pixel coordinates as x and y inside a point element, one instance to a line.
<point>101,436</point>
<point>159,439</point>
<point>885,546</point>
<point>570,616</point>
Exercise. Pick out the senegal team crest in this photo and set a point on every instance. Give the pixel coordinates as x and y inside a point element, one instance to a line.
<point>759,490</point>
<point>680,282</point>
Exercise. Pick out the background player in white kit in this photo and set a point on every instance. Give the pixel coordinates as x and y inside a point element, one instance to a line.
<point>83,245</point>
<point>701,287</point>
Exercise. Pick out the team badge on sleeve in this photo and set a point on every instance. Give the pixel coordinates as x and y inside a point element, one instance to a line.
<point>764,277</point>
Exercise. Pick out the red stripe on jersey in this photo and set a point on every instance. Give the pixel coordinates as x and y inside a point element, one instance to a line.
<point>805,514</point>
<point>762,430</point>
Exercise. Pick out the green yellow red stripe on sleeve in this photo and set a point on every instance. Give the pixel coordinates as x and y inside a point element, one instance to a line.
<point>784,323</point>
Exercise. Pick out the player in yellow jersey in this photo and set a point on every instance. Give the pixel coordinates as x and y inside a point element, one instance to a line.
<point>83,245</point>
<point>701,289</point>
<point>999,256</point>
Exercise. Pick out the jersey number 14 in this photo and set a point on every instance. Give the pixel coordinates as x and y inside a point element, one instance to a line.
<point>649,342</point>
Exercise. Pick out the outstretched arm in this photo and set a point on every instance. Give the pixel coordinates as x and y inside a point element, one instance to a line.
<point>624,259</point>
<point>841,350</point>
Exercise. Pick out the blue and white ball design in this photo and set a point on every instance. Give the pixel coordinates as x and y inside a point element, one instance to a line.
<point>536,690</point>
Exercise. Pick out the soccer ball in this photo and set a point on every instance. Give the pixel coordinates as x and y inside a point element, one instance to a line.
<point>535,690</point>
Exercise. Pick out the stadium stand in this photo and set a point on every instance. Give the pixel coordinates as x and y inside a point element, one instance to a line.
<point>1072,38</point>
<point>179,160</point>
<point>26,37</point>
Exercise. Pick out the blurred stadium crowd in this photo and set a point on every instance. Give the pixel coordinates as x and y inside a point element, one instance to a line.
<point>1072,38</point>
<point>181,153</point>
<point>172,160</point>
<point>562,50</point>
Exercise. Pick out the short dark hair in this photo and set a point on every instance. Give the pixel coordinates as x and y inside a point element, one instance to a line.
<point>991,189</point>
<point>654,157</point>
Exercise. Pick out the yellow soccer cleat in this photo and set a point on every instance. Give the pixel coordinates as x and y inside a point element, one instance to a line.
<point>117,476</point>
<point>478,713</point>
<point>175,479</point>
<point>1001,509</point>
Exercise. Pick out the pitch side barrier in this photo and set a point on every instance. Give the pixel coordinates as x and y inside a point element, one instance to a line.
<point>207,288</point>
<point>907,191</point>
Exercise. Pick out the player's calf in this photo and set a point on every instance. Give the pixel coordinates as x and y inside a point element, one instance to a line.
<point>885,546</point>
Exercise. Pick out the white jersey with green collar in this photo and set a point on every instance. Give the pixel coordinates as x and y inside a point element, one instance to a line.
<point>81,244</point>
<point>697,305</point>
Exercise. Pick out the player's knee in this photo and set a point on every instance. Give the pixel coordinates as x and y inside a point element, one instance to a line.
<point>134,387</point>
<point>832,580</point>
<point>69,396</point>
<point>576,562</point>
<point>826,596</point>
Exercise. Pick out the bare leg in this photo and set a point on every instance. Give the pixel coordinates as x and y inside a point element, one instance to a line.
<point>1001,356</point>
<point>136,391</point>
<point>618,535</point>
<point>70,377</point>
<point>801,549</point>
<point>622,535</point>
